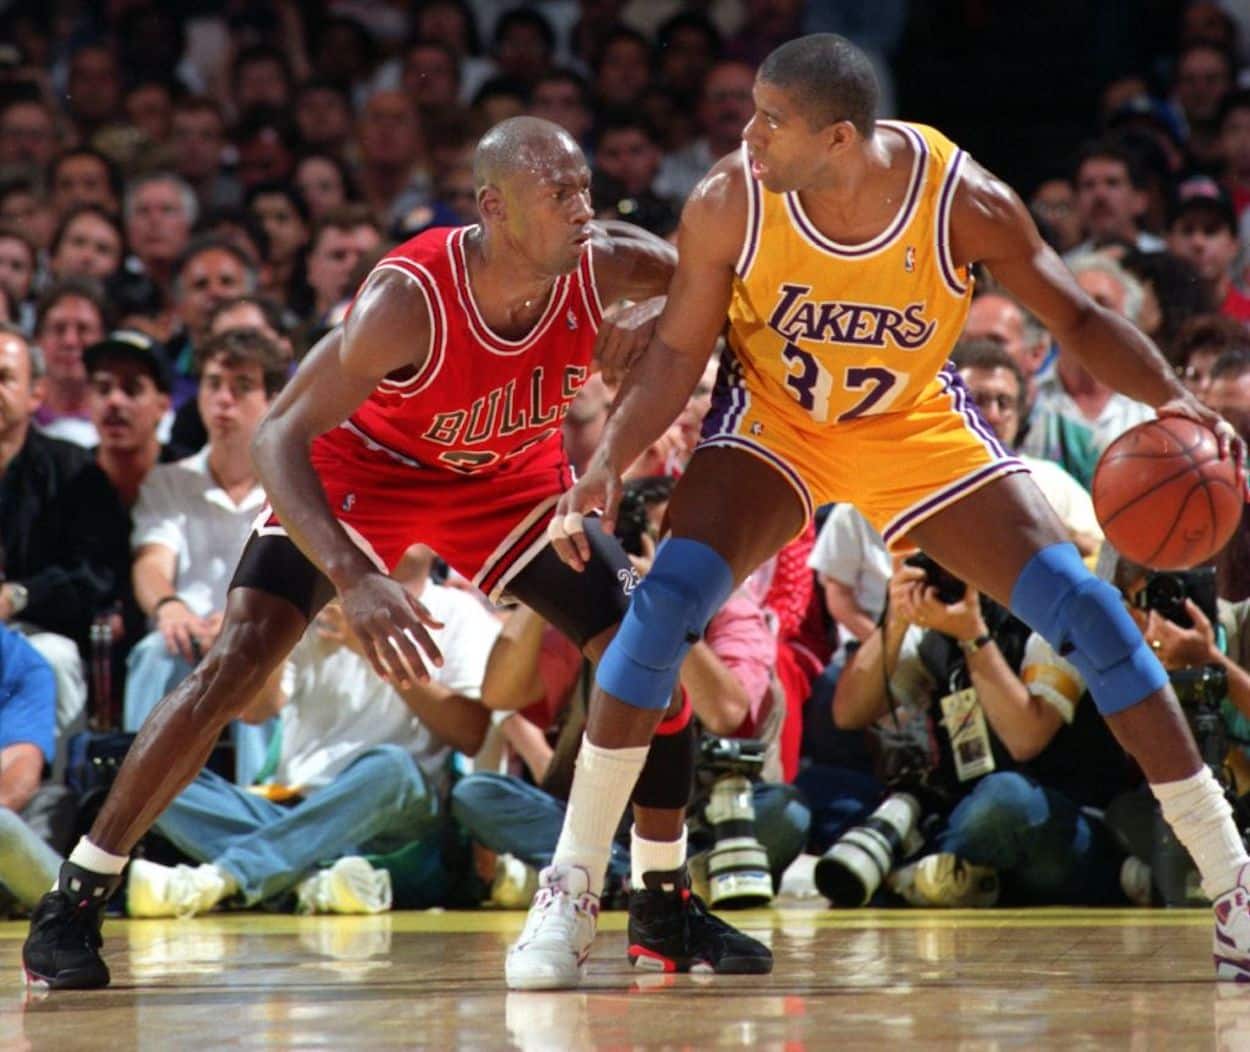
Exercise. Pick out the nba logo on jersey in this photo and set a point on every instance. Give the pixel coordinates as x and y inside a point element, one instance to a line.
<point>909,259</point>
<point>348,501</point>
<point>570,320</point>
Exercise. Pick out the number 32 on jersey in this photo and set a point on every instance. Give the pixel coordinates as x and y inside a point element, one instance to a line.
<point>812,386</point>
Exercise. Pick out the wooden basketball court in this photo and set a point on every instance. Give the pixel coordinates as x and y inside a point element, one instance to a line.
<point>973,981</point>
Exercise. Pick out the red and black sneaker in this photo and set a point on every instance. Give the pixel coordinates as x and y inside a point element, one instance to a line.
<point>63,947</point>
<point>670,930</point>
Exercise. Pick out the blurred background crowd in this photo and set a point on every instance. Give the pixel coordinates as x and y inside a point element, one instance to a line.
<point>189,196</point>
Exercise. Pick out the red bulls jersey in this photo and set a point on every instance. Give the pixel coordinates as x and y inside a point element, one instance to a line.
<point>480,400</point>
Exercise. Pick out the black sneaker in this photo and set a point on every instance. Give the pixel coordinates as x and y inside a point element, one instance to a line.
<point>63,947</point>
<point>670,930</point>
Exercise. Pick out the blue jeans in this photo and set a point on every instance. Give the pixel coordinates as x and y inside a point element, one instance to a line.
<point>380,802</point>
<point>1046,849</point>
<point>839,797</point>
<point>509,815</point>
<point>152,672</point>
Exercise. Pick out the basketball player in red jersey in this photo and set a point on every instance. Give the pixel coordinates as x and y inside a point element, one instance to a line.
<point>432,415</point>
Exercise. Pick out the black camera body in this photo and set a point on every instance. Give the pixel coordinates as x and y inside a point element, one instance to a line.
<point>744,756</point>
<point>1165,593</point>
<point>950,589</point>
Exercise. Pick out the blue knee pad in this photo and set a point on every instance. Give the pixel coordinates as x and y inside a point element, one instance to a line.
<point>1084,619</point>
<point>667,614</point>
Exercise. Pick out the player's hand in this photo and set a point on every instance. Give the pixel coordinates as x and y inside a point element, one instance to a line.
<point>600,487</point>
<point>1190,408</point>
<point>624,335</point>
<point>392,627</point>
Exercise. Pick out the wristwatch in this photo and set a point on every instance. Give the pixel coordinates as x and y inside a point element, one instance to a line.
<point>19,596</point>
<point>971,646</point>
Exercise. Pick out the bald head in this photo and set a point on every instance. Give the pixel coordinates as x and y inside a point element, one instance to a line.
<point>522,146</point>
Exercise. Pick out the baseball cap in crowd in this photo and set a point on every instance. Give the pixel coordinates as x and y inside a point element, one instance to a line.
<point>136,346</point>
<point>1203,192</point>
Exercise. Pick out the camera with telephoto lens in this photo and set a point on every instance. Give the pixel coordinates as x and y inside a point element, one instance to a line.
<point>1165,593</point>
<point>852,870</point>
<point>950,589</point>
<point>737,865</point>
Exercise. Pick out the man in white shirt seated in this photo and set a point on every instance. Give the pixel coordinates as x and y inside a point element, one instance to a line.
<point>359,767</point>
<point>996,385</point>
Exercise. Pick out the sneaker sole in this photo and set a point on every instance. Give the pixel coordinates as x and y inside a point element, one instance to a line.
<point>1231,971</point>
<point>73,979</point>
<point>650,961</point>
<point>543,982</point>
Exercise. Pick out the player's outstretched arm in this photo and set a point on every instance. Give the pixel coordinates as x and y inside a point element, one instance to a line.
<point>389,328</point>
<point>658,386</point>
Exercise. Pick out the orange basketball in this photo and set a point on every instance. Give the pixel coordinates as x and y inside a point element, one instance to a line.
<point>1163,495</point>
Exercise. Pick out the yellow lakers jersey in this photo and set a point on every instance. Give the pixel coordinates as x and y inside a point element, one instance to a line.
<point>829,333</point>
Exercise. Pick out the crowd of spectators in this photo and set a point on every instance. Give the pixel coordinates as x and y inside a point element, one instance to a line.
<point>188,203</point>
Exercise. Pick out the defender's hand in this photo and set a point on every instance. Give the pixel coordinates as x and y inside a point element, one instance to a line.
<point>600,487</point>
<point>1190,408</point>
<point>391,627</point>
<point>624,335</point>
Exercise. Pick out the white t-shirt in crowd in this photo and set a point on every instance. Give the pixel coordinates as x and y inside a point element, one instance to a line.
<point>181,507</point>
<point>851,552</point>
<point>339,707</point>
<point>1071,501</point>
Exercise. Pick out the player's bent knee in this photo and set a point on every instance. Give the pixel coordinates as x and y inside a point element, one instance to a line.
<point>1084,619</point>
<point>668,613</point>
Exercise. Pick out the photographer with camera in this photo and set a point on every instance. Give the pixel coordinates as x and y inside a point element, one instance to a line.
<point>1019,759</point>
<point>728,678</point>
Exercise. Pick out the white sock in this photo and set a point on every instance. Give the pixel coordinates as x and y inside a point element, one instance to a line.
<point>97,860</point>
<point>1202,820</point>
<point>653,856</point>
<point>603,782</point>
<point>230,885</point>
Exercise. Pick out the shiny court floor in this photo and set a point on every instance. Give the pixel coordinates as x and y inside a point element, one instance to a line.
<point>972,981</point>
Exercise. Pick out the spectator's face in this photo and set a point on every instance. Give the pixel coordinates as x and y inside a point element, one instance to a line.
<point>322,117</point>
<point>335,258</point>
<point>90,247</point>
<point>17,268</point>
<point>150,109</point>
<point>389,134</point>
<point>996,393</point>
<point>159,226</point>
<point>1054,203</point>
<point>623,73</point>
<point>456,190</point>
<point>1202,80</point>
<point>1235,141</point>
<point>27,136</point>
<point>19,397</point>
<point>70,326</point>
<point>690,420</point>
<point>94,84</point>
<point>446,24</point>
<point>583,424</point>
<point>125,404</point>
<point>286,230</point>
<point>1200,237</point>
<point>231,399</point>
<point>1196,373</point>
<point>686,61</point>
<point>82,180</point>
<point>629,157</point>
<point>321,184</point>
<point>197,140</point>
<point>30,213</point>
<point>1103,289</point>
<point>996,318</point>
<point>498,108</point>
<point>209,279</point>
<point>430,77</point>
<point>727,104</point>
<point>1229,393</point>
<point>561,102</point>
<point>1106,200</point>
<point>264,158</point>
<point>523,53</point>
<point>261,82</point>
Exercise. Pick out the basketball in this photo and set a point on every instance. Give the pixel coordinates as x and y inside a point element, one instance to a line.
<point>1164,497</point>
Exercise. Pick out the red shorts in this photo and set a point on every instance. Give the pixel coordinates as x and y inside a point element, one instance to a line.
<point>487,527</point>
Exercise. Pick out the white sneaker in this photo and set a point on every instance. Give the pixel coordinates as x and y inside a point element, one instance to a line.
<point>173,891</point>
<point>351,885</point>
<point>558,932</point>
<point>945,880</point>
<point>1231,945</point>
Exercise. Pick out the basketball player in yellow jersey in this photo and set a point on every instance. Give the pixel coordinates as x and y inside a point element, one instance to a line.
<point>839,247</point>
